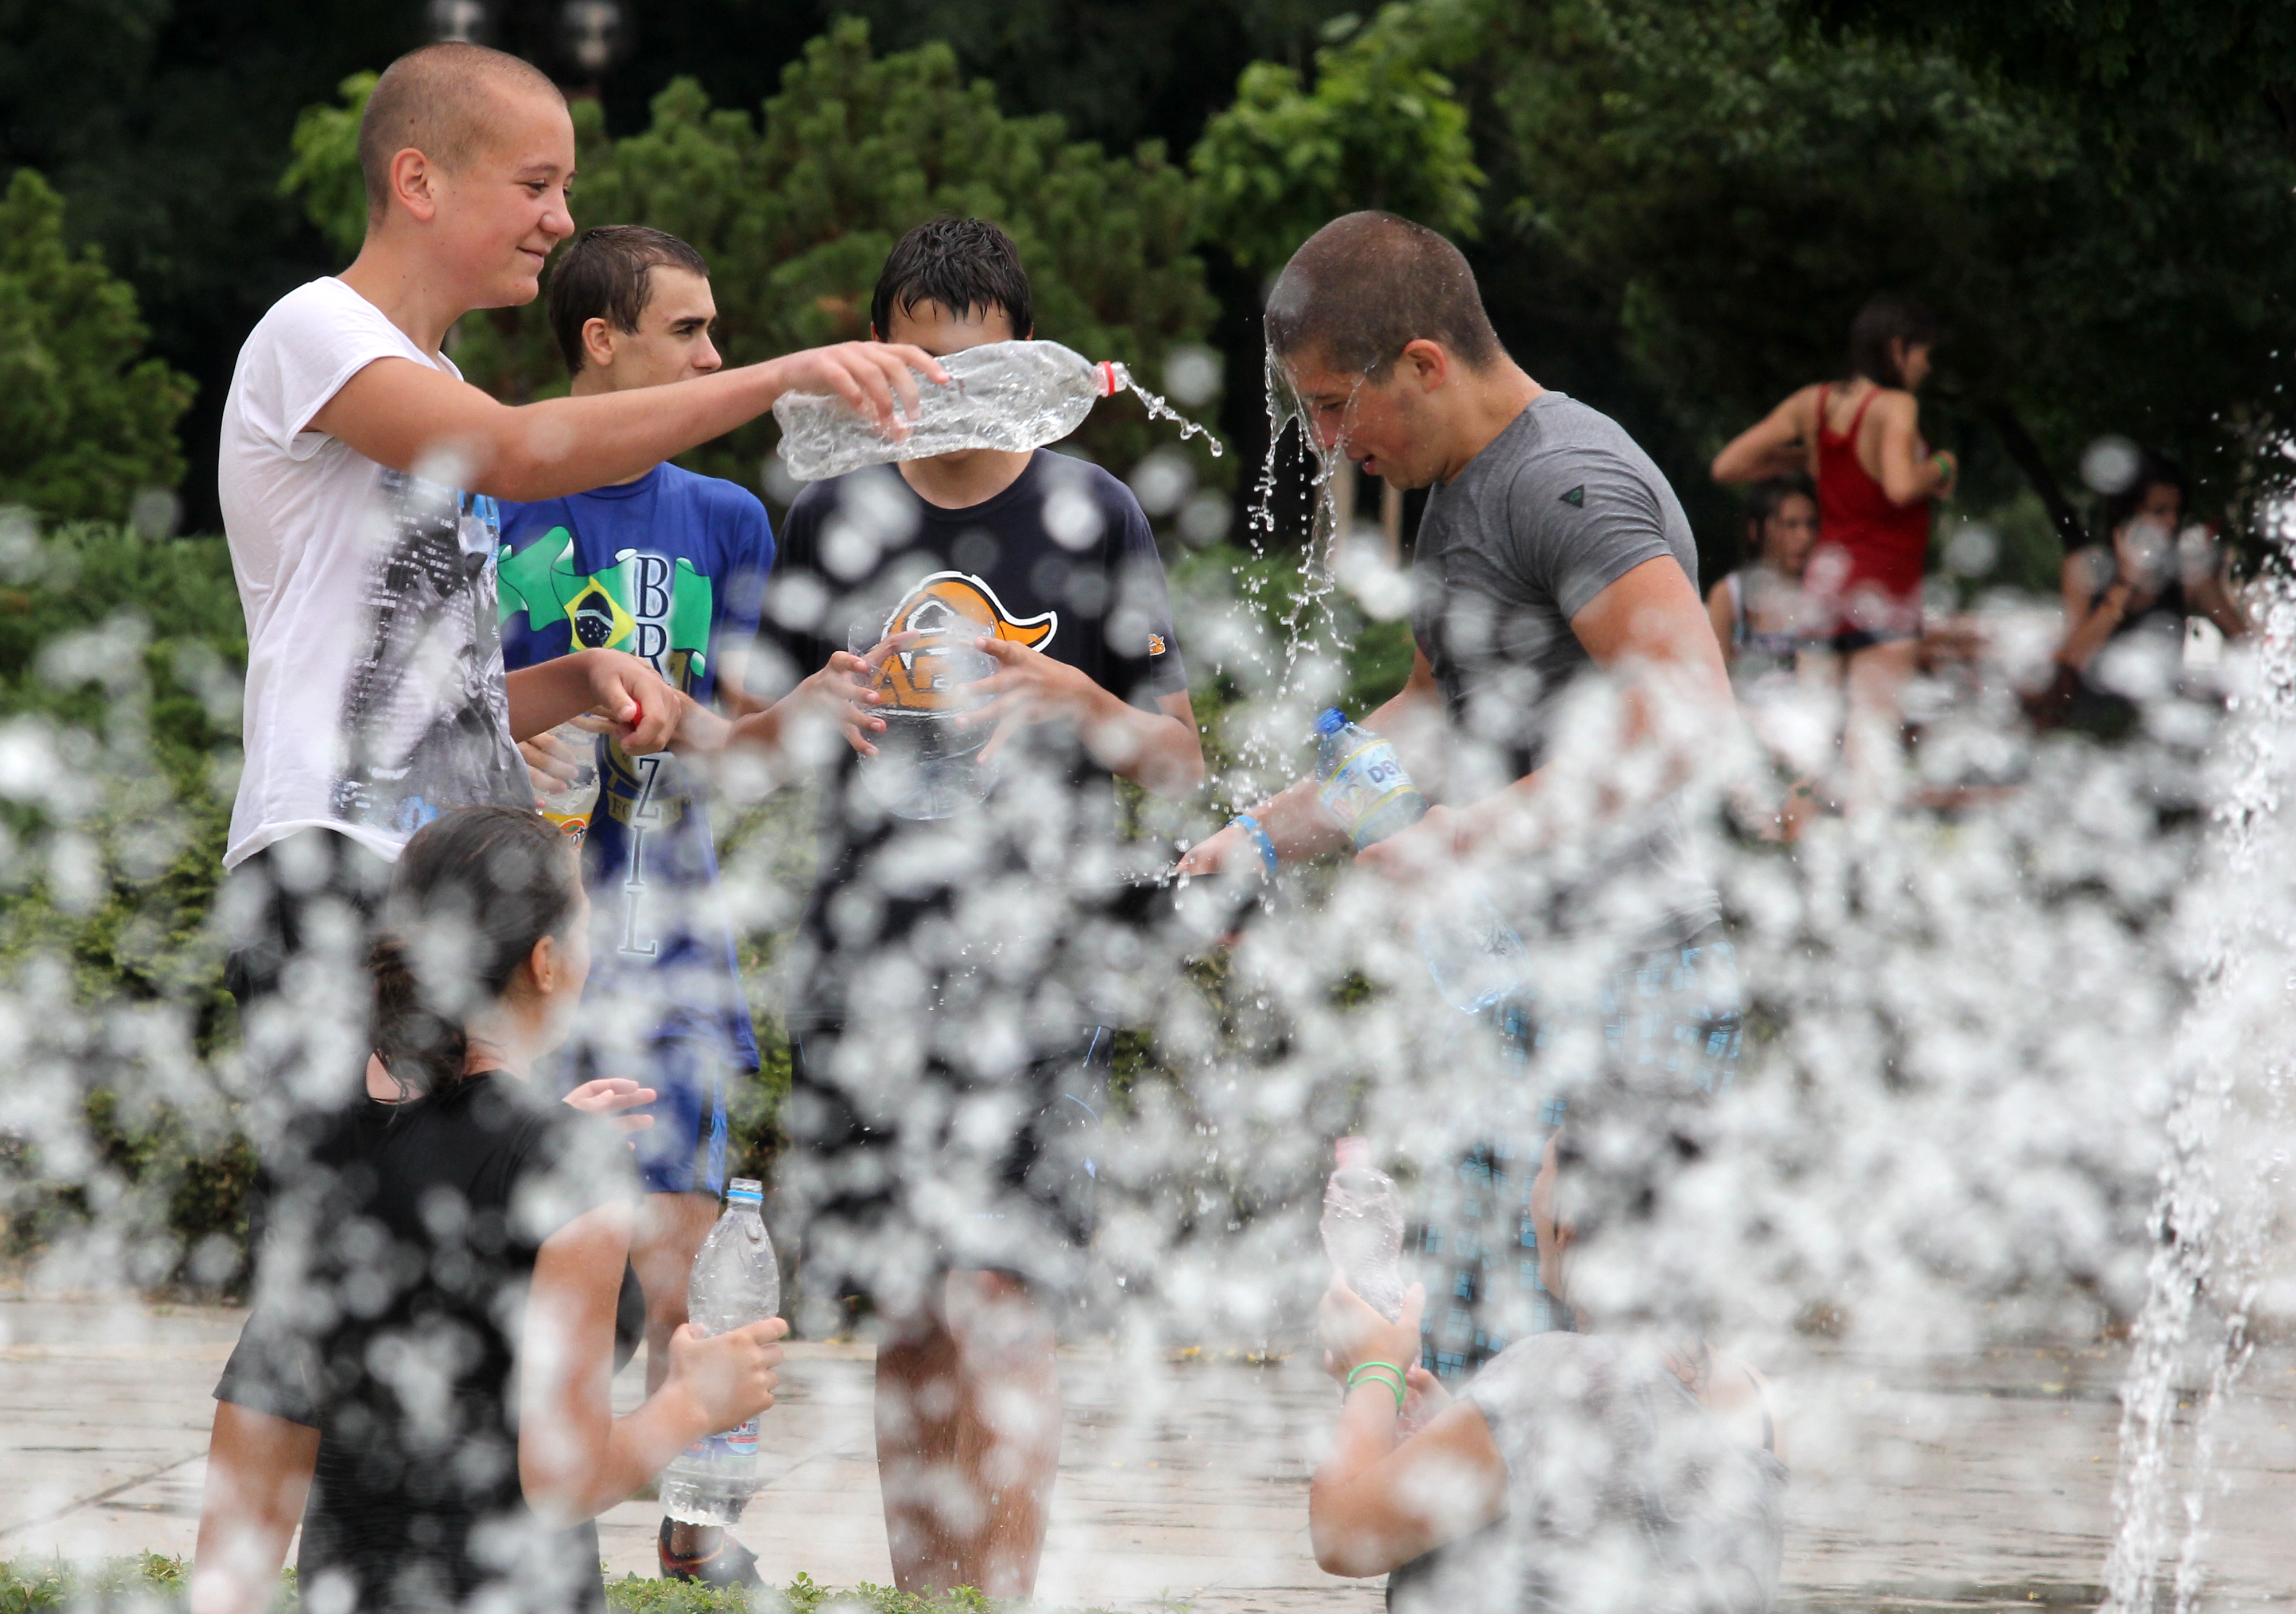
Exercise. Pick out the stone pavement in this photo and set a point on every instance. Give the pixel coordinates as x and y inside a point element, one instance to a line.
<point>1981,1481</point>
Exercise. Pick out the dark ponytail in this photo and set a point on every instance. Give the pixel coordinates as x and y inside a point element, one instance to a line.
<point>1885,319</point>
<point>472,894</point>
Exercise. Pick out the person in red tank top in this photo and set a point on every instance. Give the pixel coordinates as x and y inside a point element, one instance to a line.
<point>1861,439</point>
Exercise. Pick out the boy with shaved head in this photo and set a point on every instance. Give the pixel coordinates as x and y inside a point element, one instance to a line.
<point>1552,559</point>
<point>359,477</point>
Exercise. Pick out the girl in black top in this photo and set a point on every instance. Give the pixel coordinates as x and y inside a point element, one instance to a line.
<point>445,1298</point>
<point>2150,577</point>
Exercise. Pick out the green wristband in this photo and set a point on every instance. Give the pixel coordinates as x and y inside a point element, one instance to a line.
<point>1374,1369</point>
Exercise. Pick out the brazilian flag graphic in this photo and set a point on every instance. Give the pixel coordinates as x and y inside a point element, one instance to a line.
<point>602,611</point>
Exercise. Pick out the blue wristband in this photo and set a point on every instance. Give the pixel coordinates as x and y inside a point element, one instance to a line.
<point>1252,827</point>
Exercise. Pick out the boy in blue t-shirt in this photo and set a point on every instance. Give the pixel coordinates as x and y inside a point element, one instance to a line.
<point>668,567</point>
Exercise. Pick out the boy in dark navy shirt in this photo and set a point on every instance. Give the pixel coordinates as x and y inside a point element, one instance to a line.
<point>950,1024</point>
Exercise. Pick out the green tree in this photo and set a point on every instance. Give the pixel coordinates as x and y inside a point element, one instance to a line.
<point>1710,192</point>
<point>797,210</point>
<point>1379,129</point>
<point>2229,66</point>
<point>84,420</point>
<point>326,171</point>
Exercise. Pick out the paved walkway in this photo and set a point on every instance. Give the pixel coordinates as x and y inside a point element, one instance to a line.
<point>1981,1481</point>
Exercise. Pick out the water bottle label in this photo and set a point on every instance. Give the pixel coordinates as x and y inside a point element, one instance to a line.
<point>1366,780</point>
<point>736,1447</point>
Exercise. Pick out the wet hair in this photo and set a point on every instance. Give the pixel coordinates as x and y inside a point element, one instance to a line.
<point>1765,498</point>
<point>1888,318</point>
<point>440,100</point>
<point>472,894</point>
<point>2152,471</point>
<point>1368,284</point>
<point>968,266</point>
<point>607,273</point>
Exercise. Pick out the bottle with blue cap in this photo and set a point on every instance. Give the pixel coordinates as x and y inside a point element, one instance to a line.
<point>1362,783</point>
<point>735,1281</point>
<point>1477,958</point>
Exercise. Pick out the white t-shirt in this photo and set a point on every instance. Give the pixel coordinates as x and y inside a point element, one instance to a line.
<point>374,675</point>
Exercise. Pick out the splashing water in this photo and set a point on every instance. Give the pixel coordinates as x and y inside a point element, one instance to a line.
<point>2212,1223</point>
<point>1159,410</point>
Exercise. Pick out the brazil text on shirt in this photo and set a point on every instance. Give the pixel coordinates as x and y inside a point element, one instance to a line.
<point>669,568</point>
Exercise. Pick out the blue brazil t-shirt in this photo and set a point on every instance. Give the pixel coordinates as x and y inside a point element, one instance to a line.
<point>670,568</point>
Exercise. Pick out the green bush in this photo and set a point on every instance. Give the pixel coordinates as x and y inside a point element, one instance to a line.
<point>85,420</point>
<point>120,663</point>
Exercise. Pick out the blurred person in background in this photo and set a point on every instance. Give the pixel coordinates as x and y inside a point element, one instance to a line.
<point>1766,620</point>
<point>444,1432</point>
<point>1760,614</point>
<point>1637,1468</point>
<point>1878,480</point>
<point>2128,602</point>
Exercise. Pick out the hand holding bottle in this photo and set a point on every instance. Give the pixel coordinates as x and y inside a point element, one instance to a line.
<point>729,1378</point>
<point>1353,1332</point>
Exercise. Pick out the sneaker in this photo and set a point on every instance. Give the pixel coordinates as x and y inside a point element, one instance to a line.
<point>728,1564</point>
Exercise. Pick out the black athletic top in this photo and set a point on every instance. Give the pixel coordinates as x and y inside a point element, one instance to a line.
<point>1062,561</point>
<point>391,1298</point>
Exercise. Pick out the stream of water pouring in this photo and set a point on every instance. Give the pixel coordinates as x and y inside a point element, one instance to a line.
<point>1308,612</point>
<point>2211,1222</point>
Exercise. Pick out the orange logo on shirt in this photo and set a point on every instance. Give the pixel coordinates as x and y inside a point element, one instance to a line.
<point>956,608</point>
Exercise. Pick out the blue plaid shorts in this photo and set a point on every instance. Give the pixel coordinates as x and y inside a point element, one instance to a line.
<point>1671,1022</point>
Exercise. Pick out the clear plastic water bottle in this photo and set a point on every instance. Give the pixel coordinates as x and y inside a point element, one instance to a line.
<point>1363,782</point>
<point>1363,1228</point>
<point>570,806</point>
<point>1476,957</point>
<point>735,1281</point>
<point>1012,396</point>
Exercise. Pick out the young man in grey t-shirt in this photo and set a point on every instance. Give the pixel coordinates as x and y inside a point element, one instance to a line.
<point>1552,550</point>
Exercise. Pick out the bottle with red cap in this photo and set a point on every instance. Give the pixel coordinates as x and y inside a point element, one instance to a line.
<point>1363,1227</point>
<point>1014,396</point>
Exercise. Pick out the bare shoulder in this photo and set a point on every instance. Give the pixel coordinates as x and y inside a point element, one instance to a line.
<point>1894,406</point>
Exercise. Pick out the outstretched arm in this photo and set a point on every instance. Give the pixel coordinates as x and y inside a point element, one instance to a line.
<point>1776,445</point>
<point>413,418</point>
<point>1297,824</point>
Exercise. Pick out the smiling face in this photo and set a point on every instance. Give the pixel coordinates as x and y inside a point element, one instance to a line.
<point>1385,425</point>
<point>497,215</point>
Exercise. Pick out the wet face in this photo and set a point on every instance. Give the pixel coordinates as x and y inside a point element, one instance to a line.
<point>1381,425</point>
<point>672,341</point>
<point>500,213</point>
<point>1789,533</point>
<point>939,332</point>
